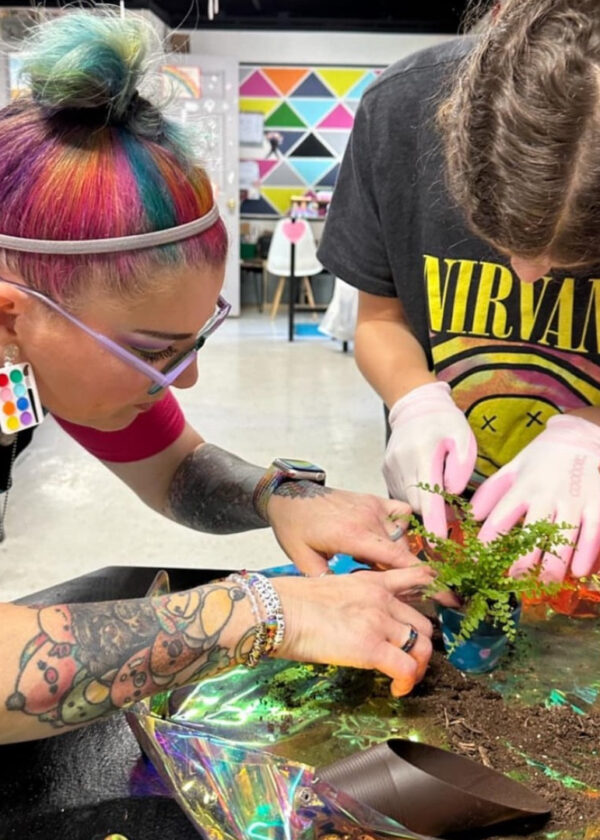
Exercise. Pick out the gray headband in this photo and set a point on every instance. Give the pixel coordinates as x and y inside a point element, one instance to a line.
<point>112,244</point>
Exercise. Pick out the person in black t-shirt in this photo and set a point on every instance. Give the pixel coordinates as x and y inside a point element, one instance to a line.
<point>467,212</point>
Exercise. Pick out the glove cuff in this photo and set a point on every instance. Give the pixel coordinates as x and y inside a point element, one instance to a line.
<point>577,429</point>
<point>425,398</point>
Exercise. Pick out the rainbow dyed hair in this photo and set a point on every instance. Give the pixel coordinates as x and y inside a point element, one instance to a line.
<point>85,157</point>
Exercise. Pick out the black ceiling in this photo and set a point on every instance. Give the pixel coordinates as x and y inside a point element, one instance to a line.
<point>443,16</point>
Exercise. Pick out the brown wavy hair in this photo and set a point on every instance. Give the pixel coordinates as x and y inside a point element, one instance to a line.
<point>521,130</point>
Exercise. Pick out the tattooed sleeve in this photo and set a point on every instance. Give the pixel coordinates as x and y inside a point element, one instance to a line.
<point>88,660</point>
<point>212,491</point>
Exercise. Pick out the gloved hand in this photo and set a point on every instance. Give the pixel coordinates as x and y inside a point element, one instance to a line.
<point>554,477</point>
<point>431,443</point>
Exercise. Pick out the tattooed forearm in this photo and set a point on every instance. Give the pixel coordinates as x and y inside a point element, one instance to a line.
<point>88,660</point>
<point>212,491</point>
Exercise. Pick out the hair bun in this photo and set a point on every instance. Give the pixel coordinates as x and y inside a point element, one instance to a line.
<point>86,60</point>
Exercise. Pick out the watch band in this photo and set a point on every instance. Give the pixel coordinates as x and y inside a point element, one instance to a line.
<point>276,475</point>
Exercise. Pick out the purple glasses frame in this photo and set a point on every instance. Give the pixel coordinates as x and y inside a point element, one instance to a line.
<point>161,379</point>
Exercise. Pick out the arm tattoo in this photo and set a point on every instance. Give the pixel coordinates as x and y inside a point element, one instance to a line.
<point>88,660</point>
<point>212,491</point>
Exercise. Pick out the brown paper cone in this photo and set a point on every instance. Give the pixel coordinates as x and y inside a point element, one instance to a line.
<point>429,790</point>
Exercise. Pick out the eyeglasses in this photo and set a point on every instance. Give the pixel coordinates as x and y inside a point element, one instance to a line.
<point>161,379</point>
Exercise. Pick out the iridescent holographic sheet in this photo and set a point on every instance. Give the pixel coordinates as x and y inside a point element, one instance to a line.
<point>239,750</point>
<point>227,750</point>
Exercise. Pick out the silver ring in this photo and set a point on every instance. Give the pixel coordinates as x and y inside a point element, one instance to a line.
<point>397,534</point>
<point>411,641</point>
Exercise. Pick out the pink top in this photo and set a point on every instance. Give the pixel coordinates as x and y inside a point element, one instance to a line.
<point>150,433</point>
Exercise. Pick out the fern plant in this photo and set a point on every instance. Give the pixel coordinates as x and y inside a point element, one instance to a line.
<point>477,573</point>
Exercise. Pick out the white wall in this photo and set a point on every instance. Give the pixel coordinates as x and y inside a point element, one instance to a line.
<point>308,47</point>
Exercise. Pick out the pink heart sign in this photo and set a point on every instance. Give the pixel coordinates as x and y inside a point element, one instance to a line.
<point>294,231</point>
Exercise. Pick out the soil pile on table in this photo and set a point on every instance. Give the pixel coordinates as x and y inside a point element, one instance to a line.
<point>508,737</point>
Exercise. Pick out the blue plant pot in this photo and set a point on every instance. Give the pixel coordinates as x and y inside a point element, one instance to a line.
<point>482,651</point>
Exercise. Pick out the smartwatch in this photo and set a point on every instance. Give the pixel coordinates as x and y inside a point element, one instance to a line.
<point>280,471</point>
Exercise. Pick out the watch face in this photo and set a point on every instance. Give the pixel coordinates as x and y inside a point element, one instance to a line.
<point>296,469</point>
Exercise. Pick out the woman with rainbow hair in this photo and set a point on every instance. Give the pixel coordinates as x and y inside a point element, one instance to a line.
<point>111,265</point>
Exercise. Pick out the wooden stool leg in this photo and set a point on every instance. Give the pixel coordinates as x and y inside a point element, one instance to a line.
<point>308,291</point>
<point>277,297</point>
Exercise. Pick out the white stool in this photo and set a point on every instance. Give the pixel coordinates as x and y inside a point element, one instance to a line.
<point>306,263</point>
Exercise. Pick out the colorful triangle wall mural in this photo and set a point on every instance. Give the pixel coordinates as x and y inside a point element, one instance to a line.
<point>284,117</point>
<point>308,116</point>
<point>340,117</point>
<point>312,111</point>
<point>341,79</point>
<point>360,87</point>
<point>311,147</point>
<point>313,86</point>
<point>311,170</point>
<point>265,106</point>
<point>285,78</point>
<point>257,85</point>
<point>280,197</point>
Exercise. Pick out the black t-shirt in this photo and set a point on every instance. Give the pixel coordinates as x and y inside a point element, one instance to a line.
<point>514,353</point>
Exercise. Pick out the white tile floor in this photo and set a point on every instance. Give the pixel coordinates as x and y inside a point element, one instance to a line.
<point>258,396</point>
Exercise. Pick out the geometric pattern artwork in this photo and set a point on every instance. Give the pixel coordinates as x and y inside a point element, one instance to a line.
<point>311,171</point>
<point>257,85</point>
<point>328,180</point>
<point>338,117</point>
<point>307,113</point>
<point>284,116</point>
<point>244,73</point>
<point>310,147</point>
<point>336,140</point>
<point>280,198</point>
<point>312,110</point>
<point>313,86</point>
<point>287,139</point>
<point>284,176</point>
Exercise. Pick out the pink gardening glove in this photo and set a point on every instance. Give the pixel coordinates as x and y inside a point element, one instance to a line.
<point>554,477</point>
<point>431,443</point>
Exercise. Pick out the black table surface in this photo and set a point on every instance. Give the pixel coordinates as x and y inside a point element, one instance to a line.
<point>77,786</point>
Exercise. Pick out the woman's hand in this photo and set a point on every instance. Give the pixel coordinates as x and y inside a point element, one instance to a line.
<point>555,477</point>
<point>431,443</point>
<point>359,620</point>
<point>312,523</point>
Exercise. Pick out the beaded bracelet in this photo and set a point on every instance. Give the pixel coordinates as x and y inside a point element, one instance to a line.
<point>257,651</point>
<point>270,627</point>
<point>271,603</point>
